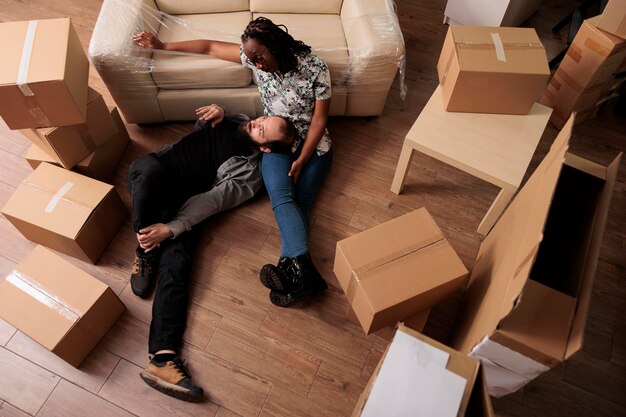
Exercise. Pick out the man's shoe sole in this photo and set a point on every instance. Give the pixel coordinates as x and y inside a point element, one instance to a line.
<point>269,278</point>
<point>282,299</point>
<point>169,389</point>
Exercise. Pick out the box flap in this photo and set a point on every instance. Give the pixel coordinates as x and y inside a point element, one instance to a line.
<point>509,248</point>
<point>499,49</point>
<point>580,319</point>
<point>56,199</point>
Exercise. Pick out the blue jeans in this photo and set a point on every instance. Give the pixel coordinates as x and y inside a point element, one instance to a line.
<point>292,202</point>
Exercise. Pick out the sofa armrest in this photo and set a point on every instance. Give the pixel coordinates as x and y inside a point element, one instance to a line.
<point>125,68</point>
<point>375,44</point>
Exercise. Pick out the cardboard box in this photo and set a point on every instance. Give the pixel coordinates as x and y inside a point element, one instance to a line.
<point>66,211</point>
<point>397,269</point>
<point>492,69</point>
<point>58,305</point>
<point>101,164</point>
<point>70,144</point>
<point>44,74</point>
<point>403,385</point>
<point>613,18</point>
<point>529,291</point>
<point>586,74</point>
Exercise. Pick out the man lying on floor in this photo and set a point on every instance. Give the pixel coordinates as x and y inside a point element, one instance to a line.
<point>172,190</point>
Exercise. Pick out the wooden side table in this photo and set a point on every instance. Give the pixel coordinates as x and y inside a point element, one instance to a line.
<point>496,148</point>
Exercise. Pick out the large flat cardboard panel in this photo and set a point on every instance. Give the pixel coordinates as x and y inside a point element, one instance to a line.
<point>475,400</point>
<point>511,240</point>
<point>55,72</point>
<point>505,67</point>
<point>66,211</point>
<point>397,269</point>
<point>613,19</point>
<point>58,305</point>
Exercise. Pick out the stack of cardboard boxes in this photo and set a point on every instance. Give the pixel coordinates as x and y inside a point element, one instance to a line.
<point>44,94</point>
<point>593,68</point>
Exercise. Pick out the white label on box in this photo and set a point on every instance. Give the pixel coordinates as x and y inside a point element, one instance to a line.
<point>501,381</point>
<point>508,358</point>
<point>413,381</point>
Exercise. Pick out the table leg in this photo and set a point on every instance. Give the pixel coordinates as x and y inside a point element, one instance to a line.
<point>496,209</point>
<point>402,169</point>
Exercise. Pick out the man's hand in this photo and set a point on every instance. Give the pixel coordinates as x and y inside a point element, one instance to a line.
<point>296,169</point>
<point>211,112</point>
<point>147,40</point>
<point>150,237</point>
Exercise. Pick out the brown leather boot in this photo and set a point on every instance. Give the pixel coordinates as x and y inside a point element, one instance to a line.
<point>172,378</point>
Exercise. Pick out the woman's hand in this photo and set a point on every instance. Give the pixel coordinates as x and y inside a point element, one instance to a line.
<point>296,169</point>
<point>150,237</point>
<point>211,112</point>
<point>147,40</point>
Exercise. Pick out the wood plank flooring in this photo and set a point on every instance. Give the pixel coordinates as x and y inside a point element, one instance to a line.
<point>254,359</point>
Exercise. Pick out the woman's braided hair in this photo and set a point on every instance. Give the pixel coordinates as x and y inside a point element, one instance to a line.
<point>278,40</point>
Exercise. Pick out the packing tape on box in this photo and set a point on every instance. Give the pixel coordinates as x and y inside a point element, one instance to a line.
<point>54,201</point>
<point>35,290</point>
<point>360,274</point>
<point>30,101</point>
<point>497,43</point>
<point>83,131</point>
<point>509,46</point>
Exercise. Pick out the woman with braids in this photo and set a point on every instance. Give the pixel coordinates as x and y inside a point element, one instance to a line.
<point>293,83</point>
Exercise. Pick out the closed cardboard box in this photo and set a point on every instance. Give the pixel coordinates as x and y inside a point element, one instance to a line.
<point>397,269</point>
<point>586,74</point>
<point>529,291</point>
<point>100,164</point>
<point>66,211</point>
<point>418,376</point>
<point>58,305</point>
<point>613,18</point>
<point>44,74</point>
<point>492,69</point>
<point>71,144</point>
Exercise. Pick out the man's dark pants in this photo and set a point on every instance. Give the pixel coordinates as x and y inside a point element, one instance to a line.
<point>158,190</point>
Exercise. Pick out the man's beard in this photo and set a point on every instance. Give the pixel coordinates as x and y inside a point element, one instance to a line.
<point>244,137</point>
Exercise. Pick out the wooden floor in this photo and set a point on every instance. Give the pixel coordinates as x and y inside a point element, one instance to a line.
<point>254,359</point>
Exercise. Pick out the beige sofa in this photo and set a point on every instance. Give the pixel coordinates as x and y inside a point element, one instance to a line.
<point>359,39</point>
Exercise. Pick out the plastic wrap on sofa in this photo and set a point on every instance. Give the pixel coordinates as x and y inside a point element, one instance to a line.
<point>362,45</point>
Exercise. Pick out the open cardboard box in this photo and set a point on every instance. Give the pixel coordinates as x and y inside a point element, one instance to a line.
<point>397,269</point>
<point>529,291</point>
<point>66,211</point>
<point>474,401</point>
<point>58,305</point>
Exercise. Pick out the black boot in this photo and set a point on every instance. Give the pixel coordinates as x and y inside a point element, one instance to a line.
<point>277,277</point>
<point>143,273</point>
<point>304,279</point>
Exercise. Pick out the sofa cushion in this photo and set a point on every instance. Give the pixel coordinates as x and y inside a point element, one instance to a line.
<point>175,70</point>
<point>323,33</point>
<point>294,6</point>
<point>201,6</point>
